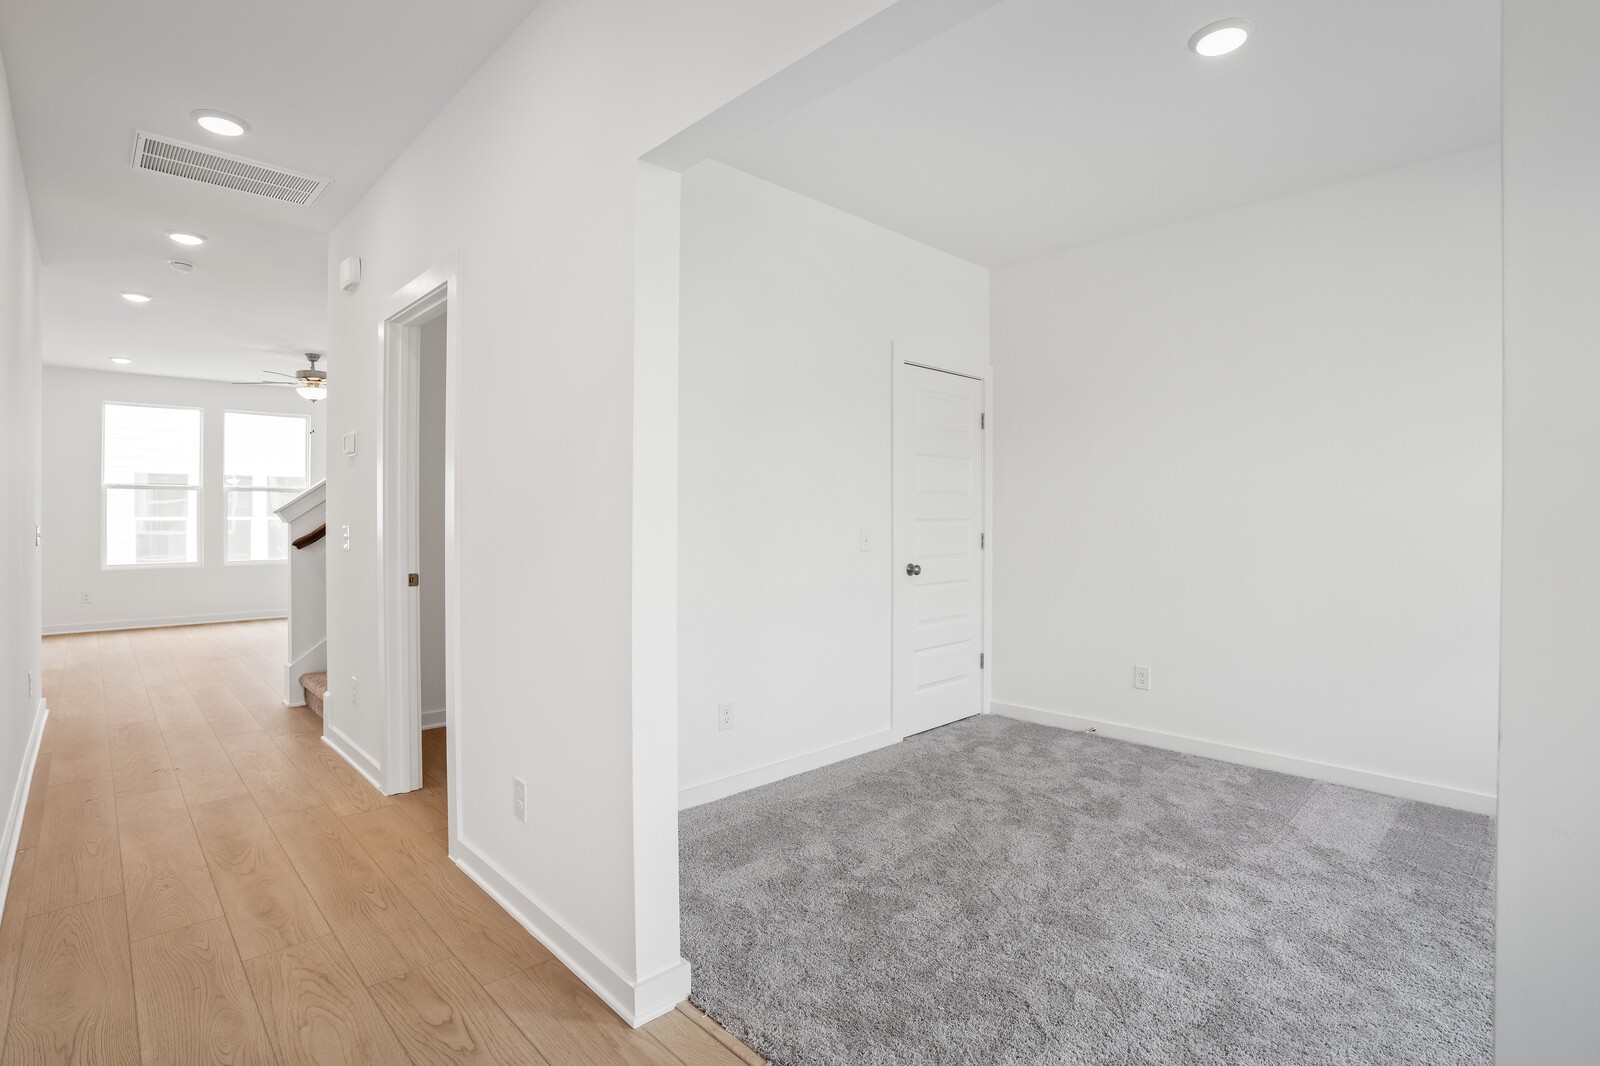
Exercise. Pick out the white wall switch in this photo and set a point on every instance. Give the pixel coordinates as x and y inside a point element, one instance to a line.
<point>350,443</point>
<point>724,716</point>
<point>519,799</point>
<point>1141,677</point>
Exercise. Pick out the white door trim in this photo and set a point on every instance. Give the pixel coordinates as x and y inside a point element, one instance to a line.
<point>432,292</point>
<point>899,723</point>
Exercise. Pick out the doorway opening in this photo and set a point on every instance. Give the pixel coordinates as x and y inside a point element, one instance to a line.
<point>417,484</point>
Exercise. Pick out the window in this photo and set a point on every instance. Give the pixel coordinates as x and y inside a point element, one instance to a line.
<point>263,467</point>
<point>150,465</point>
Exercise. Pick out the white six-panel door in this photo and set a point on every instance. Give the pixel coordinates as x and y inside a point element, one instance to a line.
<point>938,531</point>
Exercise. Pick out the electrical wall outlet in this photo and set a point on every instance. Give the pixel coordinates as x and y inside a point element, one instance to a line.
<point>346,532</point>
<point>30,682</point>
<point>519,799</point>
<point>1141,677</point>
<point>352,688</point>
<point>724,716</point>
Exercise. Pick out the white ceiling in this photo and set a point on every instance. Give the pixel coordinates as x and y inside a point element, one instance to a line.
<point>1041,125</point>
<point>334,89</point>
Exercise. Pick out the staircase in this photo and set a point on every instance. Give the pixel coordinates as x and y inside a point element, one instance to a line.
<point>307,651</point>
<point>316,686</point>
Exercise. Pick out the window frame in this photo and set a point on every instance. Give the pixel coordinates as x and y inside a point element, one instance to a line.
<point>226,488</point>
<point>198,488</point>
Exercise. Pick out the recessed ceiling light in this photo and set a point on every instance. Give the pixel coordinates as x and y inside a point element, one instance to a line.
<point>1220,38</point>
<point>121,360</point>
<point>180,265</point>
<point>136,297</point>
<point>185,237</point>
<point>220,122</point>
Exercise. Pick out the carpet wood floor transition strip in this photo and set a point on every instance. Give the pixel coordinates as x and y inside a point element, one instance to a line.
<point>201,879</point>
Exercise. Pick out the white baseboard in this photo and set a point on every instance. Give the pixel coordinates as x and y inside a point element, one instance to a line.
<point>19,802</point>
<point>706,791</point>
<point>1389,785</point>
<point>352,753</point>
<point>636,1002</point>
<point>433,719</point>
<point>161,623</point>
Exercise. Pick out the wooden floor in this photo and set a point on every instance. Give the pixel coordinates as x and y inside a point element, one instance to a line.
<point>202,880</point>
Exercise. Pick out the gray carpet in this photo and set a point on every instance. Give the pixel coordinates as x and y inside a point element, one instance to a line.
<point>996,892</point>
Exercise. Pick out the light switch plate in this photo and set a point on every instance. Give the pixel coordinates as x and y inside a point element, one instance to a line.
<point>350,443</point>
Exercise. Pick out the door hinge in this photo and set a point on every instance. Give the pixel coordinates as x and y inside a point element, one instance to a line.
<point>983,420</point>
<point>413,580</point>
<point>980,660</point>
<point>983,540</point>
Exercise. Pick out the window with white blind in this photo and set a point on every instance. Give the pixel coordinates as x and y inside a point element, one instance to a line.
<point>263,467</point>
<point>150,469</point>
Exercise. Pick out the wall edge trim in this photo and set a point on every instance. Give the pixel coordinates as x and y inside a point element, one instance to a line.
<point>635,1001</point>
<point>161,623</point>
<point>1349,776</point>
<point>352,753</point>
<point>19,800</point>
<point>718,788</point>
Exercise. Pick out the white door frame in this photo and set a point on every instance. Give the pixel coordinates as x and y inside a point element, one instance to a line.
<point>431,293</point>
<point>899,714</point>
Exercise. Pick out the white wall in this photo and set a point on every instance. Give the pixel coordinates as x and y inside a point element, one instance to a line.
<point>21,702</point>
<point>530,178</point>
<point>430,529</point>
<point>212,591</point>
<point>1548,982</point>
<point>789,311</point>
<point>1258,452</point>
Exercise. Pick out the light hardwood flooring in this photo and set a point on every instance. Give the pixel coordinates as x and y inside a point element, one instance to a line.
<point>202,880</point>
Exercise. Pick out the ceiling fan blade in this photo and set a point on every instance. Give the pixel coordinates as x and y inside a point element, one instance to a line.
<point>279,384</point>
<point>278,373</point>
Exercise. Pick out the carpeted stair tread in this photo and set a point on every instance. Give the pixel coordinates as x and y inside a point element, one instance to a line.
<point>316,686</point>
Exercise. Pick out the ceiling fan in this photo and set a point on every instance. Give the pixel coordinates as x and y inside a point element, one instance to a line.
<point>311,383</point>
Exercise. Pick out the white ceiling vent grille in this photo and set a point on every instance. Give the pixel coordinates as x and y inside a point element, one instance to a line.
<point>166,156</point>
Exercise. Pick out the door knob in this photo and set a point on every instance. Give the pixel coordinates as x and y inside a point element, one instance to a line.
<point>913,569</point>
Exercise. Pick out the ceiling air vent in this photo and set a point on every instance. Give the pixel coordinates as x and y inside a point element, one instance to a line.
<point>166,156</point>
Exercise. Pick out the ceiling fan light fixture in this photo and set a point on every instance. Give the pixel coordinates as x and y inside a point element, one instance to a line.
<point>312,392</point>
